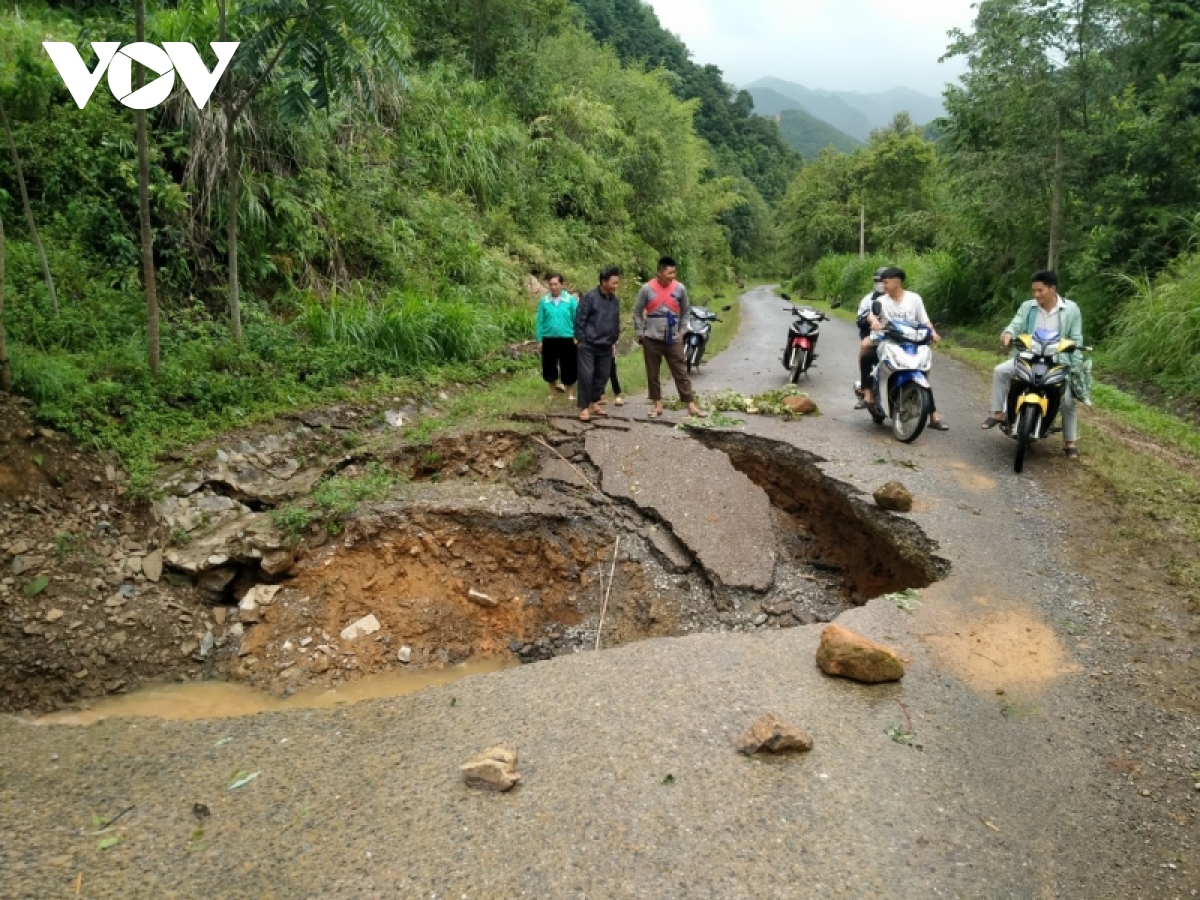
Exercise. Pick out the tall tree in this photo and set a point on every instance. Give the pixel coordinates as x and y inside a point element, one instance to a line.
<point>148,280</point>
<point>319,48</point>
<point>5,367</point>
<point>33,232</point>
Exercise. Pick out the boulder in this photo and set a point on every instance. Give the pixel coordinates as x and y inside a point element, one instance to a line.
<point>152,565</point>
<point>492,770</point>
<point>848,655</point>
<point>772,734</point>
<point>895,497</point>
<point>800,406</point>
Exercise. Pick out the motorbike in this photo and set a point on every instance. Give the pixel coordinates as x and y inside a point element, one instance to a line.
<point>905,358</point>
<point>799,353</point>
<point>1036,393</point>
<point>699,330</point>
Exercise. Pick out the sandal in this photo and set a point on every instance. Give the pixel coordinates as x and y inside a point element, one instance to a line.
<point>654,414</point>
<point>991,422</point>
<point>599,412</point>
<point>585,416</point>
<point>939,425</point>
<point>1071,452</point>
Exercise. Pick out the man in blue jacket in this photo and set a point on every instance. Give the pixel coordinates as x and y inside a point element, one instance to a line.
<point>1047,310</point>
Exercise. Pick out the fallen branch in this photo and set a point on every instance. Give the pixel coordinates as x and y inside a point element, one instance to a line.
<point>611,574</point>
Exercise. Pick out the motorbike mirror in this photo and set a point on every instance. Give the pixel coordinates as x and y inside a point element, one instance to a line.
<point>726,308</point>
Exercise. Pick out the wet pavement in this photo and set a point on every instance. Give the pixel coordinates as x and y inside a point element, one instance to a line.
<point>987,772</point>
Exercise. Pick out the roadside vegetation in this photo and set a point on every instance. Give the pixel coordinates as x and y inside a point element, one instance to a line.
<point>1052,154</point>
<point>396,188</point>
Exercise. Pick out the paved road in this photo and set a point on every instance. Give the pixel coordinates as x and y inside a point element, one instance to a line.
<point>631,787</point>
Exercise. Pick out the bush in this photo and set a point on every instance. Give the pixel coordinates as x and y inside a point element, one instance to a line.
<point>1156,335</point>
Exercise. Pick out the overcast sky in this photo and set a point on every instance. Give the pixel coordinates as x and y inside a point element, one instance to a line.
<point>850,45</point>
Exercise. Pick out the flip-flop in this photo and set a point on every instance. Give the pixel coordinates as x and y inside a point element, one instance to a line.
<point>939,425</point>
<point>653,415</point>
<point>599,412</point>
<point>991,422</point>
<point>584,417</point>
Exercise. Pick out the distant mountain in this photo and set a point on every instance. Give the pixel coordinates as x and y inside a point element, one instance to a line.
<point>834,110</point>
<point>808,135</point>
<point>854,113</point>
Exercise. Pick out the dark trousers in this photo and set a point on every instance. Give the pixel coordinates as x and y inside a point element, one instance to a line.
<point>616,382</point>
<point>655,352</point>
<point>595,368</point>
<point>867,363</point>
<point>559,361</point>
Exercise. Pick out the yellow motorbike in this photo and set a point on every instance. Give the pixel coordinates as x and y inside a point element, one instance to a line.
<point>1036,393</point>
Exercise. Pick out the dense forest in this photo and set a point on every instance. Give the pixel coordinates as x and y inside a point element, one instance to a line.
<point>1070,142</point>
<point>393,179</point>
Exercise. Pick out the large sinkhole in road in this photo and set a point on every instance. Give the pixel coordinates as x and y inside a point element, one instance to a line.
<point>531,568</point>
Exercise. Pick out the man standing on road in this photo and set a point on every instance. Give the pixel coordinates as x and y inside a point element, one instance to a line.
<point>1047,310</point>
<point>597,328</point>
<point>896,304</point>
<point>556,337</point>
<point>658,315</point>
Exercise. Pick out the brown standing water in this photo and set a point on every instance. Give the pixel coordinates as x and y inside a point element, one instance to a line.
<point>225,700</point>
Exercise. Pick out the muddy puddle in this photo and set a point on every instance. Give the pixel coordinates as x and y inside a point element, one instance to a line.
<point>226,700</point>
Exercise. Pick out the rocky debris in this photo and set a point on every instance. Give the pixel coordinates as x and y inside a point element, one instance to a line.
<point>845,654</point>
<point>214,557</point>
<point>405,654</point>
<point>894,497</point>
<point>492,770</point>
<point>674,555</point>
<point>773,735</point>
<point>250,606</point>
<point>800,406</point>
<point>264,470</point>
<point>480,599</point>
<point>394,418</point>
<point>366,625</point>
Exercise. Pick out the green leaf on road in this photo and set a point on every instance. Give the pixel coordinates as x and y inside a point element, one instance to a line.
<point>241,779</point>
<point>111,841</point>
<point>670,779</point>
<point>36,586</point>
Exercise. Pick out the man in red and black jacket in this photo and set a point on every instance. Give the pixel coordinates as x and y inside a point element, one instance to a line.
<point>659,315</point>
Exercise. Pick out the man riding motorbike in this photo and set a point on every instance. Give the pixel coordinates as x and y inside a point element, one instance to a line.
<point>895,305</point>
<point>1050,311</point>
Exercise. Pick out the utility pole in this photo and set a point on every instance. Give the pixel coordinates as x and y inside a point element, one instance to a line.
<point>862,231</point>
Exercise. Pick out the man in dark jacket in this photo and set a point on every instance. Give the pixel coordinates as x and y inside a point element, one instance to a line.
<point>597,328</point>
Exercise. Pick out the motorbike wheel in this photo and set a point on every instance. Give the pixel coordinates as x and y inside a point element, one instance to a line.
<point>1026,425</point>
<point>799,364</point>
<point>910,412</point>
<point>693,358</point>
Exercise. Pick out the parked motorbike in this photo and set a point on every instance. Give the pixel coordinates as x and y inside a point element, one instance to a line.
<point>904,359</point>
<point>800,350</point>
<point>699,330</point>
<point>1036,393</point>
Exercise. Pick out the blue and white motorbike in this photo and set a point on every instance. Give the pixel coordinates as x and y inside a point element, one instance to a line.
<point>901,379</point>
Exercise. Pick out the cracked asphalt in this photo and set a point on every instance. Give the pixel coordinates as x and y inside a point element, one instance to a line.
<point>987,772</point>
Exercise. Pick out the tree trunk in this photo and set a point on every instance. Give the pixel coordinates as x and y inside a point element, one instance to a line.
<point>1056,199</point>
<point>862,231</point>
<point>148,281</point>
<point>33,232</point>
<point>5,369</point>
<point>233,172</point>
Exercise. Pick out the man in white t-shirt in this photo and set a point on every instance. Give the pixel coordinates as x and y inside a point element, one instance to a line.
<point>896,304</point>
